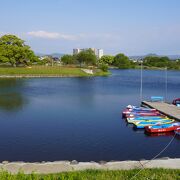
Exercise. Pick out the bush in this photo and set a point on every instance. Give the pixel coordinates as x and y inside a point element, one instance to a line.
<point>103,67</point>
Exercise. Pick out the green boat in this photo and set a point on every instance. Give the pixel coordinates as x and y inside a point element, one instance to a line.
<point>142,124</point>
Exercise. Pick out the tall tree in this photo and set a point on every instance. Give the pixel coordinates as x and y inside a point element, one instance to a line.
<point>14,51</point>
<point>67,59</point>
<point>87,57</point>
<point>107,59</point>
<point>121,61</point>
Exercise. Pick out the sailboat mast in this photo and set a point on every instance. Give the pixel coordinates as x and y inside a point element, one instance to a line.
<point>141,86</point>
<point>166,84</point>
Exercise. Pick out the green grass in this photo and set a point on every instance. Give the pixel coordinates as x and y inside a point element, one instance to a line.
<point>158,174</point>
<point>47,71</point>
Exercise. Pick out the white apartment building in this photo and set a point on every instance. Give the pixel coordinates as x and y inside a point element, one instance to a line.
<point>98,52</point>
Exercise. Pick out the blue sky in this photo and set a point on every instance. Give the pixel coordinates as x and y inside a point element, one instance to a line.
<point>134,27</point>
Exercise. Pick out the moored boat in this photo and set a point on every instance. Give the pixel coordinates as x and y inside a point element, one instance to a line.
<point>162,128</point>
<point>143,124</point>
<point>137,114</point>
<point>146,117</point>
<point>133,109</point>
<point>134,121</point>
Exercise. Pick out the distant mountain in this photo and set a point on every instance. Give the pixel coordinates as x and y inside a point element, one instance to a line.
<point>58,55</point>
<point>172,57</point>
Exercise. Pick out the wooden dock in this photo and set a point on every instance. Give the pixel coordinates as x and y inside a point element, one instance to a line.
<point>169,110</point>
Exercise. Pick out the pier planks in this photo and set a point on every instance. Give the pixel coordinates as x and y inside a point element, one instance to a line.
<point>169,110</point>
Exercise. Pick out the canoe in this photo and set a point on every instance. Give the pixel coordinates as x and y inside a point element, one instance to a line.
<point>162,128</point>
<point>143,124</point>
<point>133,121</point>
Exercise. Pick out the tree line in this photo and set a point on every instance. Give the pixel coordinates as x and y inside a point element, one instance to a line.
<point>161,62</point>
<point>88,57</point>
<point>14,51</point>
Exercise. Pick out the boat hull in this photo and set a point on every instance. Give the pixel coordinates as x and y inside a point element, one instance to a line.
<point>141,125</point>
<point>162,128</point>
<point>146,120</point>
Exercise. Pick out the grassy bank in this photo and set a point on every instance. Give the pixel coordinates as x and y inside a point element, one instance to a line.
<point>47,71</point>
<point>159,174</point>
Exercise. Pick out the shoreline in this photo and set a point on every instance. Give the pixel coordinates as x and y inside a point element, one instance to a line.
<point>69,166</point>
<point>39,76</point>
<point>48,76</point>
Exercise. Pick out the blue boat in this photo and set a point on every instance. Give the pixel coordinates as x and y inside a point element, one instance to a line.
<point>146,118</point>
<point>135,108</point>
<point>142,124</point>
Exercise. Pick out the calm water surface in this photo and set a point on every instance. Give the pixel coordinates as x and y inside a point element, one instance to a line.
<point>48,119</point>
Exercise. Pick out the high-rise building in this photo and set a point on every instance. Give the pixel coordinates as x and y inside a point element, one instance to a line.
<point>100,53</point>
<point>76,51</point>
<point>97,52</point>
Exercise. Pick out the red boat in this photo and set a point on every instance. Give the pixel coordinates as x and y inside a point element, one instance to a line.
<point>162,128</point>
<point>176,102</point>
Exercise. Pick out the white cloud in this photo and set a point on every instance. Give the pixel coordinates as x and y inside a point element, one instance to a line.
<point>51,35</point>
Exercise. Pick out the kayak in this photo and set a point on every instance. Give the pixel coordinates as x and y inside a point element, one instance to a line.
<point>143,124</point>
<point>162,128</point>
<point>133,121</point>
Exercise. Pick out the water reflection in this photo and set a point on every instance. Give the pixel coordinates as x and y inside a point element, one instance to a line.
<point>159,134</point>
<point>11,95</point>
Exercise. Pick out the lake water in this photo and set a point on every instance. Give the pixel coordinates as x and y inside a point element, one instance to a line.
<point>48,119</point>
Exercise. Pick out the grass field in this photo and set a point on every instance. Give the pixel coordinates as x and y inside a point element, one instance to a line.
<point>155,174</point>
<point>47,71</point>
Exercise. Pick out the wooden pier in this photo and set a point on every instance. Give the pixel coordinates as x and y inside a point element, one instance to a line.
<point>169,110</point>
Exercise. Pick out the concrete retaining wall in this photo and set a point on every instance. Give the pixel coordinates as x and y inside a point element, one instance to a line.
<point>65,166</point>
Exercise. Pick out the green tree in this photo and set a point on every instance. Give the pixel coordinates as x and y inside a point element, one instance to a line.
<point>121,61</point>
<point>107,59</point>
<point>86,57</point>
<point>156,61</point>
<point>67,59</point>
<point>103,67</point>
<point>14,51</point>
<point>49,60</point>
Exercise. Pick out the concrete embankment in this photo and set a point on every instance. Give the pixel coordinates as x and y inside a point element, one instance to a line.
<point>66,166</point>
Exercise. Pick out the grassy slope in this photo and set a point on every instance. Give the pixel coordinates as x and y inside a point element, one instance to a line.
<point>159,174</point>
<point>43,71</point>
